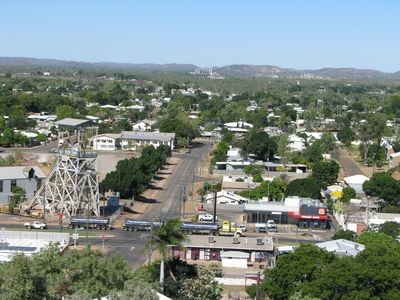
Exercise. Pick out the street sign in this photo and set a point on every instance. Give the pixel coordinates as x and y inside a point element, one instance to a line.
<point>75,236</point>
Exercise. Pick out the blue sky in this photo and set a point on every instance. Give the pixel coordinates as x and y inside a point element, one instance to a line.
<point>298,33</point>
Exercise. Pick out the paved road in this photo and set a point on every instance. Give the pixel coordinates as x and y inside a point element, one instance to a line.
<point>348,165</point>
<point>168,206</point>
<point>132,244</point>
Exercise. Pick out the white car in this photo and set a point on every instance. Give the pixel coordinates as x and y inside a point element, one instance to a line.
<point>207,218</point>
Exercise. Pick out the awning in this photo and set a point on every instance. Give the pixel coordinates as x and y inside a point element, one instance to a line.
<point>307,217</point>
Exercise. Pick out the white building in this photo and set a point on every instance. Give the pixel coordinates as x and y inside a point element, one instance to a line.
<point>131,140</point>
<point>356,182</point>
<point>105,142</point>
<point>225,197</point>
<point>342,247</point>
<point>296,143</point>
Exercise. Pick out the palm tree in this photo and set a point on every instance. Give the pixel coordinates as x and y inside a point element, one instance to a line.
<point>168,234</point>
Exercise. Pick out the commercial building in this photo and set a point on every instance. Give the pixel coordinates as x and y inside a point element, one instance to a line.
<point>304,212</point>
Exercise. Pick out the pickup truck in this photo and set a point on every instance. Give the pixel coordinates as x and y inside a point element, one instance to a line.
<point>35,225</point>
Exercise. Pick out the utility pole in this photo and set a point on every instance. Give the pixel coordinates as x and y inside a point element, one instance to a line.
<point>180,204</point>
<point>215,207</point>
<point>192,185</point>
<point>184,201</point>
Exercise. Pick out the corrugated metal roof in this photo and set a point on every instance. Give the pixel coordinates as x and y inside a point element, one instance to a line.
<point>20,172</point>
<point>140,135</point>
<point>71,122</point>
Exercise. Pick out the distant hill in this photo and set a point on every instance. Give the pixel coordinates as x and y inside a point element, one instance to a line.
<point>228,71</point>
<point>55,63</point>
<point>270,71</point>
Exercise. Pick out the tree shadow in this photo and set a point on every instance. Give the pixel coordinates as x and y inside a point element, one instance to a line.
<point>156,177</point>
<point>164,173</point>
<point>144,199</point>
<point>154,187</point>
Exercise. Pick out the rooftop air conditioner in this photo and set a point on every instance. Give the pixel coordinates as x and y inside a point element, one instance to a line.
<point>260,241</point>
<point>211,239</point>
<point>236,240</point>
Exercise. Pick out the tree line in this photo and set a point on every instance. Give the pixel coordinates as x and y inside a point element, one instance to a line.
<point>132,176</point>
<point>313,273</point>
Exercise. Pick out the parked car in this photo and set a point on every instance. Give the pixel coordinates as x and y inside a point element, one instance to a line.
<point>270,223</point>
<point>207,218</point>
<point>273,228</point>
<point>35,225</point>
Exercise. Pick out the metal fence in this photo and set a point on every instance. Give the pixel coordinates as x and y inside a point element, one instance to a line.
<point>34,235</point>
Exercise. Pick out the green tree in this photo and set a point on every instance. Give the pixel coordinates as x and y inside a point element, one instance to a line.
<point>325,172</point>
<point>390,228</point>
<point>295,268</point>
<point>18,196</point>
<point>347,194</point>
<point>65,111</point>
<point>346,136</point>
<point>313,153</point>
<point>384,186</point>
<point>273,190</point>
<point>17,118</point>
<point>328,142</point>
<point>169,233</point>
<point>254,170</point>
<point>258,143</point>
<point>345,234</point>
<point>305,187</point>
<point>16,282</point>
<point>204,287</point>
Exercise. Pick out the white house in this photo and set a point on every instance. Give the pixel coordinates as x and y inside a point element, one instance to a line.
<point>107,141</point>
<point>238,124</point>
<point>296,143</point>
<point>141,126</point>
<point>225,197</point>
<point>342,247</point>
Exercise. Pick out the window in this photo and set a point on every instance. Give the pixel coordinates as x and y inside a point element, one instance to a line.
<point>13,183</point>
<point>1,186</point>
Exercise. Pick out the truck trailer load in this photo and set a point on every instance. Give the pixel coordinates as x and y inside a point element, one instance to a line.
<point>208,228</point>
<point>135,225</point>
<point>90,223</point>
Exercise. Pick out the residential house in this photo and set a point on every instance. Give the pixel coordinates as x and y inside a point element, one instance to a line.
<point>27,177</point>
<point>296,143</point>
<point>225,197</point>
<point>141,126</point>
<point>342,247</point>
<point>105,142</point>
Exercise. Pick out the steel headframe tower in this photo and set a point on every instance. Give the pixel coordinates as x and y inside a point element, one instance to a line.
<point>72,187</point>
